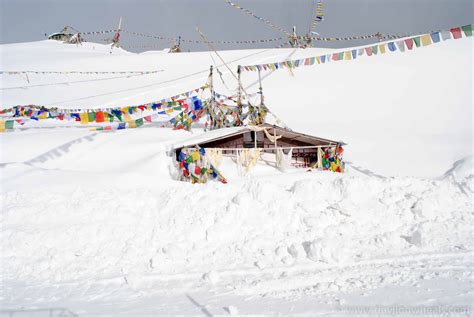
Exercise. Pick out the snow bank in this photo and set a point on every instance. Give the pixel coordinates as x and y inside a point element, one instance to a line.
<point>265,222</point>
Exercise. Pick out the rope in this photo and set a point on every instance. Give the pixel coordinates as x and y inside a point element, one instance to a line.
<point>250,13</point>
<point>77,72</point>
<point>70,82</point>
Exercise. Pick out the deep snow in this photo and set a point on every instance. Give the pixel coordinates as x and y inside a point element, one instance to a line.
<point>94,222</point>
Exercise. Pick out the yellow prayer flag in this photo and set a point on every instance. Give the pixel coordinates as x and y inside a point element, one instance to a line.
<point>426,40</point>
<point>169,110</point>
<point>132,124</point>
<point>347,55</point>
<point>84,117</point>
<point>43,115</point>
<point>2,126</point>
<point>382,48</point>
<point>318,59</point>
<point>127,117</point>
<point>195,156</point>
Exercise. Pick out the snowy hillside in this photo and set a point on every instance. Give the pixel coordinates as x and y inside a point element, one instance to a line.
<point>94,221</point>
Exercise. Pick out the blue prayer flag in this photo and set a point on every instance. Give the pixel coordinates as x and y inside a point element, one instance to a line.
<point>435,37</point>
<point>391,46</point>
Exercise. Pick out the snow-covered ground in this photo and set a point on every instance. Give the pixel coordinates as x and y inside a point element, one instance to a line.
<point>95,223</point>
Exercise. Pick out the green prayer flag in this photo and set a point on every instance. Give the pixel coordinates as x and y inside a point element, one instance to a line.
<point>375,49</point>
<point>203,171</point>
<point>91,116</point>
<point>341,56</point>
<point>9,124</point>
<point>467,29</point>
<point>139,122</point>
<point>417,41</point>
<point>189,159</point>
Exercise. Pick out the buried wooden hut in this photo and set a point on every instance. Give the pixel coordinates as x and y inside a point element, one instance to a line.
<point>264,142</point>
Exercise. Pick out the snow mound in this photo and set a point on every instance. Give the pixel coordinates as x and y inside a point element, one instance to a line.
<point>266,222</point>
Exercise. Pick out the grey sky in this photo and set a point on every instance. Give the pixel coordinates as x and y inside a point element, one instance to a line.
<point>29,20</point>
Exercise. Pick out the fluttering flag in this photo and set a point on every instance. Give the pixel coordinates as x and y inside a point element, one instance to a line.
<point>9,124</point>
<point>382,48</point>
<point>456,32</point>
<point>335,57</point>
<point>360,51</point>
<point>435,37</point>
<point>2,126</point>
<point>375,49</point>
<point>409,43</point>
<point>445,35</point>
<point>391,46</point>
<point>84,118</point>
<point>417,41</point>
<point>121,126</point>
<point>368,50</point>
<point>91,116</point>
<point>354,54</point>
<point>347,55</point>
<point>426,39</point>
<point>401,45</point>
<point>99,116</point>
<point>139,122</point>
<point>467,29</point>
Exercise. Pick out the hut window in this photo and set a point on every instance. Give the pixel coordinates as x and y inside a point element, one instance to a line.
<point>249,139</point>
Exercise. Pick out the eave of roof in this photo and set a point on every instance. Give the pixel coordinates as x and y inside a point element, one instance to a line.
<point>218,134</point>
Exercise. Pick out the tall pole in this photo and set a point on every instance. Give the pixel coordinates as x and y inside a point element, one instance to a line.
<point>239,91</point>
<point>260,86</point>
<point>211,80</point>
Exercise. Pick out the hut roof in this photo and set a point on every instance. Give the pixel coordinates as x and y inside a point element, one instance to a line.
<point>224,133</point>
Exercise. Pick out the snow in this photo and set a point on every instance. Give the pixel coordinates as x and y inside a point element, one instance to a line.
<point>95,222</point>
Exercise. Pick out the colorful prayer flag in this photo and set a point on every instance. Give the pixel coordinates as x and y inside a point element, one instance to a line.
<point>435,37</point>
<point>391,46</point>
<point>84,118</point>
<point>467,30</point>
<point>401,45</point>
<point>456,33</point>
<point>426,39</point>
<point>417,41</point>
<point>382,48</point>
<point>409,43</point>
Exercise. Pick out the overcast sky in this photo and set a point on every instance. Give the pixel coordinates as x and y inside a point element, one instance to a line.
<point>29,20</point>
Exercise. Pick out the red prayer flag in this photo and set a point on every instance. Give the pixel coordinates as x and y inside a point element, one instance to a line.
<point>99,116</point>
<point>147,118</point>
<point>335,57</point>
<point>108,127</point>
<point>368,50</point>
<point>456,33</point>
<point>409,43</point>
